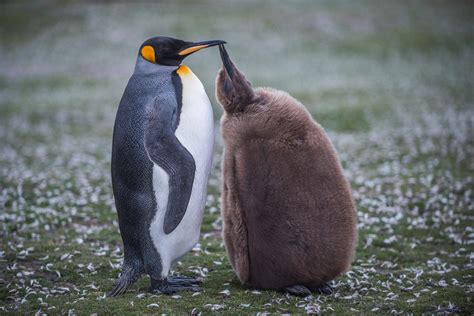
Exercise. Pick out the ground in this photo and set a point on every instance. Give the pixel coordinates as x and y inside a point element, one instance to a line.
<point>391,82</point>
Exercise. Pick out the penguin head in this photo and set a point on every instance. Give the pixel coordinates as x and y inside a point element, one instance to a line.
<point>170,51</point>
<point>233,90</point>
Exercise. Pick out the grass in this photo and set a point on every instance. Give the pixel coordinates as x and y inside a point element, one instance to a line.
<point>390,81</point>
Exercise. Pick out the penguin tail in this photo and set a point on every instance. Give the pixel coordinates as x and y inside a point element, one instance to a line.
<point>129,275</point>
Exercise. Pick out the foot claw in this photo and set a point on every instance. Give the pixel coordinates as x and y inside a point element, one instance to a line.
<point>184,279</point>
<point>298,290</point>
<point>173,285</point>
<point>323,289</point>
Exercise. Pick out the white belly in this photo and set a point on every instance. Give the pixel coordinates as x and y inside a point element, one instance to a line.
<point>196,134</point>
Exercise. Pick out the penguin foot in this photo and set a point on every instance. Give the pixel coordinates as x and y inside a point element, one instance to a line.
<point>184,280</point>
<point>301,290</point>
<point>130,274</point>
<point>323,289</point>
<point>176,284</point>
<point>298,290</point>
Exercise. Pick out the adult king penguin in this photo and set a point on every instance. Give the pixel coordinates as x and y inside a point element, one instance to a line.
<point>161,159</point>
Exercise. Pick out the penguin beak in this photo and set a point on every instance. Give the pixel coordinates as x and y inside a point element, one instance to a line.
<point>228,64</point>
<point>194,47</point>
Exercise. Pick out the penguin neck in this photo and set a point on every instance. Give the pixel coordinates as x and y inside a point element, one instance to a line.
<point>144,67</point>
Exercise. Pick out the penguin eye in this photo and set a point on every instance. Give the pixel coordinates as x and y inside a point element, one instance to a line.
<point>148,53</point>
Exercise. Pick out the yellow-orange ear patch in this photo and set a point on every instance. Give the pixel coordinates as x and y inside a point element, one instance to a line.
<point>148,53</point>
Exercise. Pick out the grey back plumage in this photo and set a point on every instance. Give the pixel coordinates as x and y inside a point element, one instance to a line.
<point>129,157</point>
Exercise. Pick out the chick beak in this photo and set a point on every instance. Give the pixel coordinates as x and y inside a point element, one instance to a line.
<point>228,64</point>
<point>194,47</point>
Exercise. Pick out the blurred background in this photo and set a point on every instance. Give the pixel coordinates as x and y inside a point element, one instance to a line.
<point>391,82</point>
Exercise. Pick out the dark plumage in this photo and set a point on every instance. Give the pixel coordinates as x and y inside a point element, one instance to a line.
<point>289,216</point>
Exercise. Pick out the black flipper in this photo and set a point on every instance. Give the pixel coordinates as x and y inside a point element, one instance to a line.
<point>166,151</point>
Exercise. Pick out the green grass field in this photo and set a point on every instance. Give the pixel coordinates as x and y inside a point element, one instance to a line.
<point>391,81</point>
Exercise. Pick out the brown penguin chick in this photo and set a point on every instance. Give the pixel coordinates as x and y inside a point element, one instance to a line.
<point>289,216</point>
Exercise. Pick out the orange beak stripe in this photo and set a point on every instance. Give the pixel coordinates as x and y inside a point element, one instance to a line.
<point>192,49</point>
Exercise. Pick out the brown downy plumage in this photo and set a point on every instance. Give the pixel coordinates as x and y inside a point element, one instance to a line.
<point>289,216</point>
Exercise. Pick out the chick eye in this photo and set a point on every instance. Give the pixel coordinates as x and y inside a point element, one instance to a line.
<point>148,53</point>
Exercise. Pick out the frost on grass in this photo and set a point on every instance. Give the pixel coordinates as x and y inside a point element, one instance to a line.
<point>408,190</point>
